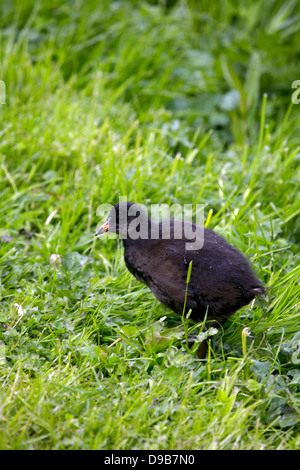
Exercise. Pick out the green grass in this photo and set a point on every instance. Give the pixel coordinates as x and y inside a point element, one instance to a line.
<point>189,103</point>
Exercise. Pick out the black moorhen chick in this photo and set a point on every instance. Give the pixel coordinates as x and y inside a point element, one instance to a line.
<point>221,279</point>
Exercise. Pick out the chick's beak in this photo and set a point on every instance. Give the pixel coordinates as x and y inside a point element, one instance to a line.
<point>104,228</point>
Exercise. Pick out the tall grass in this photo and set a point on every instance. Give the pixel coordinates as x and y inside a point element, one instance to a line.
<point>163,102</point>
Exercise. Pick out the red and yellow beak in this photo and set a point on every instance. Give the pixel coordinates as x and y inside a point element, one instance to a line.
<point>104,228</point>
